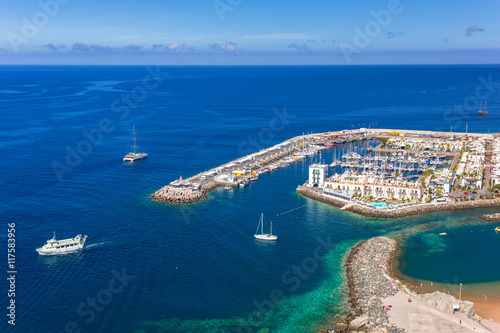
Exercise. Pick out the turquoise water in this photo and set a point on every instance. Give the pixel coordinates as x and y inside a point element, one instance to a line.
<point>468,253</point>
<point>197,267</point>
<point>379,205</point>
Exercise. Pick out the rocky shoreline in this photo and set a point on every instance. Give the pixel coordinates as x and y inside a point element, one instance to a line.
<point>490,217</point>
<point>372,284</point>
<point>395,213</point>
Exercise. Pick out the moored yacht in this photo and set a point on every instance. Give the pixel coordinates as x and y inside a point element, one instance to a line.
<point>264,236</point>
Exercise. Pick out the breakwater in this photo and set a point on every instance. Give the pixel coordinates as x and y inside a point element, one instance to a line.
<point>169,195</point>
<point>364,210</point>
<point>368,269</point>
<point>373,288</point>
<point>490,217</point>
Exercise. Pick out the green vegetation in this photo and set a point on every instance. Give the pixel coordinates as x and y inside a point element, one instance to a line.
<point>383,141</point>
<point>427,172</point>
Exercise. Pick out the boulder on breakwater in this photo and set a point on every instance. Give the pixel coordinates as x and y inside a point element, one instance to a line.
<point>490,217</point>
<point>169,195</point>
<point>445,302</point>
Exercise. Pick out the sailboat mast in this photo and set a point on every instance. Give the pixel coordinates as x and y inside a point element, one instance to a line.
<point>135,141</point>
<point>271,231</point>
<point>262,223</point>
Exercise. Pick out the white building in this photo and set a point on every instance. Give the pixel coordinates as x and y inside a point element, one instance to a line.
<point>317,175</point>
<point>371,186</point>
<point>444,180</point>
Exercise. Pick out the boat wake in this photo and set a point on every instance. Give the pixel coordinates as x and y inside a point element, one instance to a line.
<point>95,245</point>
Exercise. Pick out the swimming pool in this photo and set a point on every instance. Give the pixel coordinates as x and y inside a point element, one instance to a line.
<point>378,205</point>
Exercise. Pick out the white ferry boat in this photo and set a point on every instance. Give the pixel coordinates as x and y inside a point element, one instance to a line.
<point>54,246</point>
<point>134,155</point>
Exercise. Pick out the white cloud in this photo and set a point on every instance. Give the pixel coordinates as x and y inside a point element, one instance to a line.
<point>176,48</point>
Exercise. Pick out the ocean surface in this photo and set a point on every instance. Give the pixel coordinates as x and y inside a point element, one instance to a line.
<point>150,267</point>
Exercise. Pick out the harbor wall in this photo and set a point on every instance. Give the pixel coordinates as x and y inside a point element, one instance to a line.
<point>490,217</point>
<point>399,212</point>
<point>169,195</point>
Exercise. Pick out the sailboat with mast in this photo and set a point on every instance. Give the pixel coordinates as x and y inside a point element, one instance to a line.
<point>483,112</point>
<point>263,236</point>
<point>134,155</point>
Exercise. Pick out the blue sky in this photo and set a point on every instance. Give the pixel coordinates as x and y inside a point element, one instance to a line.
<point>249,32</point>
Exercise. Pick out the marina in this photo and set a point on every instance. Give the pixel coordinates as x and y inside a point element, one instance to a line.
<point>407,173</point>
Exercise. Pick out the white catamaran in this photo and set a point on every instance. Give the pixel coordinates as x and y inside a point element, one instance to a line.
<point>262,235</point>
<point>134,155</point>
<point>54,246</point>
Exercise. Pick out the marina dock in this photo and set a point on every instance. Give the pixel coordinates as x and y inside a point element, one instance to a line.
<point>239,172</point>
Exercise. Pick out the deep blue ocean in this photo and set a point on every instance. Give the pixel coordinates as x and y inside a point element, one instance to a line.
<point>150,267</point>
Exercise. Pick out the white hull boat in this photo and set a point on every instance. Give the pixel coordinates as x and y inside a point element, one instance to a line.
<point>263,236</point>
<point>134,155</point>
<point>53,246</point>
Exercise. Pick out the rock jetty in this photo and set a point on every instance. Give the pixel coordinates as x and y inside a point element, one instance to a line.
<point>368,269</point>
<point>317,194</point>
<point>490,217</point>
<point>169,195</point>
<point>445,302</point>
<point>371,282</point>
